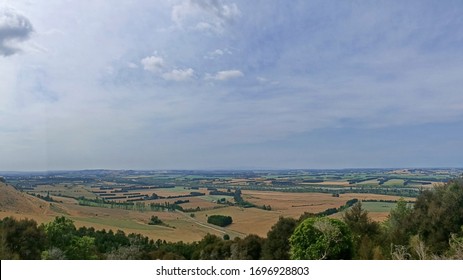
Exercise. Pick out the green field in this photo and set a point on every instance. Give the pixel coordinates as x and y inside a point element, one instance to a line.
<point>394,182</point>
<point>379,206</point>
<point>115,222</point>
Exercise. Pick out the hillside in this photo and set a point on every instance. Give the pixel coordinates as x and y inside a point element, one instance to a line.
<point>21,205</point>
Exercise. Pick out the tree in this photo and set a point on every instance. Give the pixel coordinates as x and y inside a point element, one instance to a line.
<point>60,232</point>
<point>438,214</point>
<point>276,246</point>
<point>249,248</point>
<point>321,238</point>
<point>154,220</point>
<point>21,239</point>
<point>82,248</point>
<point>399,224</point>
<point>212,247</point>
<point>364,231</point>
<point>220,220</point>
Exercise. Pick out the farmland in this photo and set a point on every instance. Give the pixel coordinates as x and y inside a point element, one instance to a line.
<point>183,200</point>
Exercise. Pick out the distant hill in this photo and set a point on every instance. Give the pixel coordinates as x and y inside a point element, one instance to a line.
<point>14,201</point>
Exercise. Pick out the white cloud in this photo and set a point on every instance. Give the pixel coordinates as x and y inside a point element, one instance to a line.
<point>179,75</point>
<point>225,75</point>
<point>262,79</point>
<point>217,53</point>
<point>221,11</point>
<point>14,28</point>
<point>132,65</point>
<point>205,15</point>
<point>153,63</point>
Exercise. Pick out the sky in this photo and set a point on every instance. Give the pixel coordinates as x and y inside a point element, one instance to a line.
<point>211,84</point>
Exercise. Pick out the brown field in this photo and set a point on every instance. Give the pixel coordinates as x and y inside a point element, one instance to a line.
<point>245,220</point>
<point>173,192</point>
<point>198,202</point>
<point>181,226</point>
<point>294,204</point>
<point>67,190</point>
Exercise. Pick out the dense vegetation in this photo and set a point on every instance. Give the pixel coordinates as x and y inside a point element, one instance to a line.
<point>431,229</point>
<point>220,220</point>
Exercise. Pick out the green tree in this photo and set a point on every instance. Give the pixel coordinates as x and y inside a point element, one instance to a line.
<point>21,239</point>
<point>212,247</point>
<point>276,246</point>
<point>365,232</point>
<point>321,238</point>
<point>60,232</point>
<point>154,220</point>
<point>438,214</point>
<point>82,248</point>
<point>220,220</point>
<point>249,248</point>
<point>399,225</point>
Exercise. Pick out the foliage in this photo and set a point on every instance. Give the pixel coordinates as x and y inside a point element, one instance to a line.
<point>21,239</point>
<point>399,226</point>
<point>320,239</point>
<point>438,214</point>
<point>60,233</point>
<point>220,220</point>
<point>82,248</point>
<point>276,247</point>
<point>212,247</point>
<point>249,248</point>
<point>365,232</point>
<point>154,220</point>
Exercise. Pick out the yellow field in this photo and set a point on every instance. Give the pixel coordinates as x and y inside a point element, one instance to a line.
<point>181,226</point>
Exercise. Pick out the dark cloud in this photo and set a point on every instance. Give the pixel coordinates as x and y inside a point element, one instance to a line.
<point>14,28</point>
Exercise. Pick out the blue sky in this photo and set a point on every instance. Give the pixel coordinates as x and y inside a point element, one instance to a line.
<point>189,84</point>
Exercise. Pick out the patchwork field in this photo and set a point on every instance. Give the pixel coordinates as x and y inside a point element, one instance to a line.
<point>294,204</point>
<point>183,200</point>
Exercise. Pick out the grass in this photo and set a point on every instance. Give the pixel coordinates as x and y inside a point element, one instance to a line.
<point>113,222</point>
<point>394,182</point>
<point>378,206</point>
<point>373,182</point>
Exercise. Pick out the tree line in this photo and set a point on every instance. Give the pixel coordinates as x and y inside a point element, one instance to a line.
<point>430,229</point>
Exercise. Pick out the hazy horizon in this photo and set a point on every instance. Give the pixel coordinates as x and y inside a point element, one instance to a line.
<point>220,85</point>
<point>235,169</point>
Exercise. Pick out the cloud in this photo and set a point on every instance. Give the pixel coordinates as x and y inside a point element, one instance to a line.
<point>132,65</point>
<point>205,15</point>
<point>225,75</point>
<point>153,63</point>
<point>217,53</point>
<point>179,75</point>
<point>14,28</point>
<point>217,8</point>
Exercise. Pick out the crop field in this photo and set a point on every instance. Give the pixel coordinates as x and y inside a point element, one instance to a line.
<point>65,190</point>
<point>183,200</point>
<point>245,220</point>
